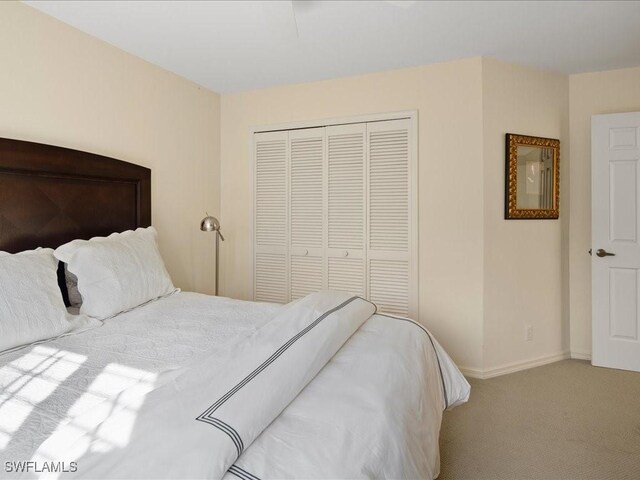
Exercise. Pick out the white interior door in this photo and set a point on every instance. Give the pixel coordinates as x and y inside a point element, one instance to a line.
<point>615,244</point>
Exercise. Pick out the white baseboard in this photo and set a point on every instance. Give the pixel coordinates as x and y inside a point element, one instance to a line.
<point>471,372</point>
<point>581,355</point>
<point>514,367</point>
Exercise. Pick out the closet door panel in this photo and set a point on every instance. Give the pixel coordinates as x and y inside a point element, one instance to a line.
<point>306,275</point>
<point>306,177</point>
<point>346,207</point>
<point>389,285</point>
<point>389,185</point>
<point>270,278</point>
<point>347,274</point>
<point>346,189</point>
<point>307,235</point>
<point>270,210</point>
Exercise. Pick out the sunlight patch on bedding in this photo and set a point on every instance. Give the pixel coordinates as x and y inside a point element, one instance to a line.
<point>12,415</point>
<point>103,418</point>
<point>28,381</point>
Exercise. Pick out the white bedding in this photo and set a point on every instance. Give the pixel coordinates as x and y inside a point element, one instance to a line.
<point>44,385</point>
<point>373,410</point>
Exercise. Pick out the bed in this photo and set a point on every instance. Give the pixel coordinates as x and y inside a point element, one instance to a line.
<point>195,386</point>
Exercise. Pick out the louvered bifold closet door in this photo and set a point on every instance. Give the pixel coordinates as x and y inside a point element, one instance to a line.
<point>271,231</point>
<point>307,217</point>
<point>346,208</point>
<point>389,221</point>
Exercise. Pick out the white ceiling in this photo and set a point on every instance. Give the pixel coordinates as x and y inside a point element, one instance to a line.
<point>230,46</point>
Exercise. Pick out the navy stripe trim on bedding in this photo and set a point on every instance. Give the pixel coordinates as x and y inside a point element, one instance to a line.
<point>240,473</point>
<point>219,424</point>
<point>230,431</point>
<point>273,357</point>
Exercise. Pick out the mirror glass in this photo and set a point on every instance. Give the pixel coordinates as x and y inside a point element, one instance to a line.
<point>535,177</point>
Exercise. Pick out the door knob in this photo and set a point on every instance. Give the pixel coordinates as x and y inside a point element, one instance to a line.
<point>603,253</point>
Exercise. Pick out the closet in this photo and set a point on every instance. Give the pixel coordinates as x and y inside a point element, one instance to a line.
<point>335,207</point>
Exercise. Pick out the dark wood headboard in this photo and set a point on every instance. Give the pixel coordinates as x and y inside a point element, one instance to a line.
<point>51,195</point>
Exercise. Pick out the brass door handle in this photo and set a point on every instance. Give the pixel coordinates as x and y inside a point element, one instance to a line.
<point>603,253</point>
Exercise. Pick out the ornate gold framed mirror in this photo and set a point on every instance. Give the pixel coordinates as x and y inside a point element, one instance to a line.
<point>532,177</point>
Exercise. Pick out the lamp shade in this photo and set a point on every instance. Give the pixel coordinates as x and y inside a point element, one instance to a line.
<point>209,224</point>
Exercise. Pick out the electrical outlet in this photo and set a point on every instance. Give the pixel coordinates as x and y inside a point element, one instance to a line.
<point>528,333</point>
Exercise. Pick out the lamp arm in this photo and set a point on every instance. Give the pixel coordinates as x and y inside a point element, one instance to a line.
<point>221,237</point>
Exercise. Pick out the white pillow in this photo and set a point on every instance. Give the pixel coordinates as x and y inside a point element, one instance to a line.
<point>31,305</point>
<point>118,272</point>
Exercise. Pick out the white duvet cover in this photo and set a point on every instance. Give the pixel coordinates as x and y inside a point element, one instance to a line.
<point>191,386</point>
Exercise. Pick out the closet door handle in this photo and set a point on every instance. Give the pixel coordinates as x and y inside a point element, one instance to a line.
<point>345,253</point>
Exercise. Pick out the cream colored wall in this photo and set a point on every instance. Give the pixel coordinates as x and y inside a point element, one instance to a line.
<point>448,98</point>
<point>523,263</point>
<point>62,87</point>
<point>481,278</point>
<point>590,94</point>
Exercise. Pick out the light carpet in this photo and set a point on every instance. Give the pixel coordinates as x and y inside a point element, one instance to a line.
<point>563,421</point>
